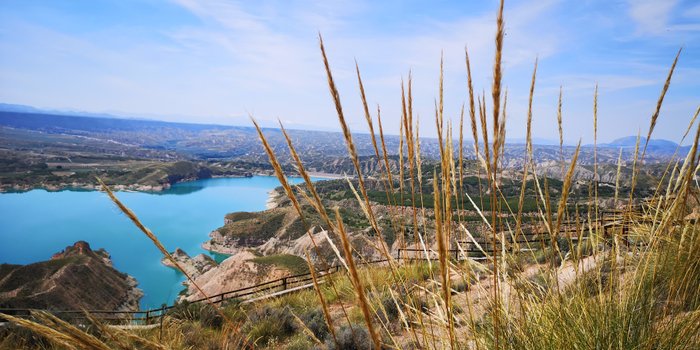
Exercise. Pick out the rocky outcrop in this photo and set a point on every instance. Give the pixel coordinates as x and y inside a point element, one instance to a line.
<point>272,199</point>
<point>77,277</point>
<point>194,267</point>
<point>275,235</point>
<point>237,271</point>
<point>243,230</point>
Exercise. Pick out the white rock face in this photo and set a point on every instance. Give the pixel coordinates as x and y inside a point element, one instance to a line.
<point>235,272</point>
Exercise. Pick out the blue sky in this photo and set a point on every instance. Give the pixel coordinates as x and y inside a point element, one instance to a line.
<point>216,61</point>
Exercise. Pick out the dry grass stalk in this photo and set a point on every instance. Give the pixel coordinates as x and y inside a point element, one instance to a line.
<point>528,137</point>
<point>443,255</point>
<point>659,187</point>
<point>473,122</point>
<point>309,184</point>
<point>53,335</point>
<point>617,177</point>
<point>521,202</point>
<point>278,171</point>
<point>401,156</point>
<point>448,163</point>
<point>117,339</point>
<point>348,138</point>
<point>502,127</point>
<point>485,137</point>
<point>566,187</point>
<point>318,206</point>
<point>418,156</point>
<point>441,90</point>
<point>655,116</point>
<point>561,132</point>
<point>407,118</point>
<point>496,87</point>
<point>529,151</point>
<point>688,176</point>
<point>309,333</point>
<point>472,112</point>
<point>634,170</point>
<point>370,125</point>
<point>408,121</point>
<point>685,163</point>
<point>324,305</point>
<point>439,122</point>
<point>357,283</point>
<point>130,214</point>
<point>81,338</point>
<point>496,96</point>
<point>460,201</point>
<point>410,98</point>
<point>368,117</point>
<point>384,152</point>
<point>595,151</point>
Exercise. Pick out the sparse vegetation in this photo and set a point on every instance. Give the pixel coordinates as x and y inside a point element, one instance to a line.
<point>295,264</point>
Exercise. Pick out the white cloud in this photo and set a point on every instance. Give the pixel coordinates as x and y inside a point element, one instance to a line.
<point>652,16</point>
<point>276,54</point>
<point>692,12</point>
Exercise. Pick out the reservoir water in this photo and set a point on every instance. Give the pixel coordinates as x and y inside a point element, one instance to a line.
<point>36,224</point>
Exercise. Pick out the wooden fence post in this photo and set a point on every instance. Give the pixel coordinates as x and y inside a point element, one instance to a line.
<point>148,315</point>
<point>284,283</point>
<point>162,315</point>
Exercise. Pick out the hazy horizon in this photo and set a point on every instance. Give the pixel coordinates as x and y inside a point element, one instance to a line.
<point>4,107</point>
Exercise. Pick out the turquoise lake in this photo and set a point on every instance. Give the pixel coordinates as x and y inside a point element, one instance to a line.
<point>36,224</point>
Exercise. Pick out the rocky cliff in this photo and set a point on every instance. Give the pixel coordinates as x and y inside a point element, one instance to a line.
<point>193,266</point>
<point>273,243</point>
<point>77,277</point>
<point>238,271</point>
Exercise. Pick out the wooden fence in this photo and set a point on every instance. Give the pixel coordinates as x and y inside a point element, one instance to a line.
<point>300,281</point>
<point>293,282</point>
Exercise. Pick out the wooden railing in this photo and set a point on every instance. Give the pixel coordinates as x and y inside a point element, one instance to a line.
<point>265,288</point>
<point>295,281</point>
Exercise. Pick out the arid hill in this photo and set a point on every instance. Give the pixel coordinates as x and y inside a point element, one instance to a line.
<point>77,277</point>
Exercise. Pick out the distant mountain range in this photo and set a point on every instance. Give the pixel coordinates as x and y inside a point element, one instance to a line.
<point>9,107</point>
<point>655,145</point>
<point>631,141</point>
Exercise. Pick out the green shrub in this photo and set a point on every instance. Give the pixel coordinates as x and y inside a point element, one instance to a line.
<point>268,324</point>
<point>204,313</point>
<point>356,338</point>
<point>316,322</point>
<point>389,307</point>
<point>293,263</point>
<point>299,342</point>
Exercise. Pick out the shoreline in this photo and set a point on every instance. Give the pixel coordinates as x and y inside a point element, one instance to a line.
<point>327,176</point>
<point>119,187</point>
<point>133,297</point>
<point>218,249</point>
<point>271,202</point>
<point>142,188</point>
